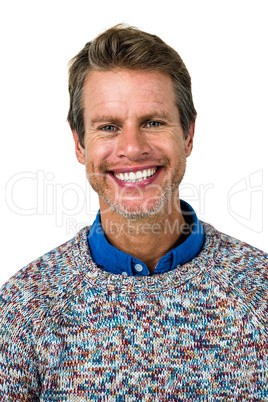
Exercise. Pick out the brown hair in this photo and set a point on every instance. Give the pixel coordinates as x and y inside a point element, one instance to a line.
<point>129,48</point>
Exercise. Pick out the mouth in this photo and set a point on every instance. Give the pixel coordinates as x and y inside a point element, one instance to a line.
<point>136,176</point>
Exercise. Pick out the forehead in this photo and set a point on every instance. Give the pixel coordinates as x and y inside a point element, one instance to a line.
<point>128,88</point>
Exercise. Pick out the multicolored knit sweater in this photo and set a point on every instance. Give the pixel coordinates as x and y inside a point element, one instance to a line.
<point>72,332</point>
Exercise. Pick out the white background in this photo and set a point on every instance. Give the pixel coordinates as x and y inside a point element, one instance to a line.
<point>224,46</point>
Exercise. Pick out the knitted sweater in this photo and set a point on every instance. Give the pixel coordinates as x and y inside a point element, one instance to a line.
<point>72,332</point>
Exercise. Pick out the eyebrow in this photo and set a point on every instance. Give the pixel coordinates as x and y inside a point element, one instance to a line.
<point>117,120</point>
<point>104,118</point>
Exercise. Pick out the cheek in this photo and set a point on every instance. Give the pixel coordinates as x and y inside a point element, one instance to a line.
<point>173,150</point>
<point>98,154</point>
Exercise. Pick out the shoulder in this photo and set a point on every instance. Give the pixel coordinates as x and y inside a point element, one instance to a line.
<point>242,271</point>
<point>28,296</point>
<point>49,271</point>
<point>235,252</point>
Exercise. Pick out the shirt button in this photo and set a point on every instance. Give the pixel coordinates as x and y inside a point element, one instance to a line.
<point>124,273</point>
<point>138,267</point>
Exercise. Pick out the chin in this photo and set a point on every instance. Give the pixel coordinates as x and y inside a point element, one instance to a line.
<point>137,211</point>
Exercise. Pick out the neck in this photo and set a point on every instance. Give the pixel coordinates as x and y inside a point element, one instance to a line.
<point>148,238</point>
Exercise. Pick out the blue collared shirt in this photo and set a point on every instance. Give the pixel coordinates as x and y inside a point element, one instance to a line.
<point>112,260</point>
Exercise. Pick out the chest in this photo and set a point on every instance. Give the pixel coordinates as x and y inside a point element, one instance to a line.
<point>135,351</point>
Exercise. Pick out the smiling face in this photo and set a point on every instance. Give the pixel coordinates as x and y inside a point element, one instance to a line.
<point>135,151</point>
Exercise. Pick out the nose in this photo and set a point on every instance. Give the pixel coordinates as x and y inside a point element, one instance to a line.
<point>132,143</point>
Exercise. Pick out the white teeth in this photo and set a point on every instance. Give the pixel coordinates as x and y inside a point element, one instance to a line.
<point>134,177</point>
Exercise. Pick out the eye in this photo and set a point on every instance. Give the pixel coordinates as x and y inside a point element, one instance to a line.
<point>154,124</point>
<point>109,128</point>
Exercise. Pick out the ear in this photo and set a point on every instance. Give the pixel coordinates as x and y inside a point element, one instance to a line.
<point>189,141</point>
<point>79,150</point>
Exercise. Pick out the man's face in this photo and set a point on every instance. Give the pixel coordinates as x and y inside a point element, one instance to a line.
<point>135,151</point>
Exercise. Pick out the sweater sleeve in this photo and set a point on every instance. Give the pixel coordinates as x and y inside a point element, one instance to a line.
<point>19,377</point>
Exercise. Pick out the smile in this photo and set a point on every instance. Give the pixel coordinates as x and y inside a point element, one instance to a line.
<point>135,177</point>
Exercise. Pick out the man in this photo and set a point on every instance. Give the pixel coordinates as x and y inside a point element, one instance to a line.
<point>148,304</point>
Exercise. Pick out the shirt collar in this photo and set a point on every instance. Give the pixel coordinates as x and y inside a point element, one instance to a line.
<point>112,260</point>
